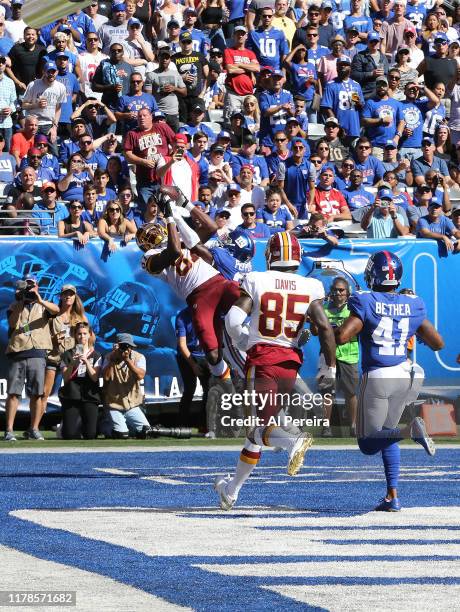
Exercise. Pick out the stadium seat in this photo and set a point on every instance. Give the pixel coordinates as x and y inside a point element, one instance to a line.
<point>316,131</point>
<point>215,127</point>
<point>216,115</point>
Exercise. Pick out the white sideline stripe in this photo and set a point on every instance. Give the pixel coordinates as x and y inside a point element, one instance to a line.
<point>164,480</point>
<point>21,571</point>
<point>357,598</point>
<point>341,569</point>
<point>156,532</point>
<point>115,471</point>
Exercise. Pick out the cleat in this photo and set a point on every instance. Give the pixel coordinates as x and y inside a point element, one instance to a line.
<point>389,505</point>
<point>225,501</point>
<point>419,434</point>
<point>297,454</point>
<point>327,432</point>
<point>9,436</point>
<point>33,434</point>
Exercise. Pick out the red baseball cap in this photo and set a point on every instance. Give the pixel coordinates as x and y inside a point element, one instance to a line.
<point>181,139</point>
<point>34,151</point>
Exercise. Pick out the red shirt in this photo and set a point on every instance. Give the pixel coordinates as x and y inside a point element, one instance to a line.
<point>149,144</point>
<point>20,143</point>
<point>240,83</point>
<point>329,203</point>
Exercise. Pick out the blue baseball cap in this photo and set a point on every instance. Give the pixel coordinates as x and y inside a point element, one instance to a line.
<point>277,73</point>
<point>234,187</point>
<point>134,22</point>
<point>50,66</point>
<point>427,139</point>
<point>224,134</point>
<point>158,115</point>
<point>64,28</point>
<point>385,194</point>
<point>118,7</point>
<point>62,54</point>
<point>373,36</point>
<point>442,37</point>
<point>343,59</point>
<point>390,145</point>
<point>435,203</point>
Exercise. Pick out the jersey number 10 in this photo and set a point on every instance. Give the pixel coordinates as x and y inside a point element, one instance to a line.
<point>390,338</point>
<point>278,314</point>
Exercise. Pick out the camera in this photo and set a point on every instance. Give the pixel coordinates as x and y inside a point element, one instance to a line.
<point>23,290</point>
<point>124,347</point>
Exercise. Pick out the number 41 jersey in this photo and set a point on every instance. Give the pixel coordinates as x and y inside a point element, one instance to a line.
<point>280,304</point>
<point>389,321</point>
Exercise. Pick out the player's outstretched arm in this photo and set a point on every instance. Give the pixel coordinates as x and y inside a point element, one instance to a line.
<point>325,332</point>
<point>235,318</point>
<point>155,263</point>
<point>350,328</point>
<point>204,225</point>
<point>430,335</point>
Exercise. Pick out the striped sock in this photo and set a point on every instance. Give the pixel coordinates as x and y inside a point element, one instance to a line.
<point>220,369</point>
<point>274,436</point>
<point>248,460</point>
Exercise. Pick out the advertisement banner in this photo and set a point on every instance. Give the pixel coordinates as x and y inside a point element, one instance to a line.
<point>120,297</point>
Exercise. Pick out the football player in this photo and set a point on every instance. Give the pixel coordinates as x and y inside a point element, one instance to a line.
<point>385,320</point>
<point>277,302</point>
<point>193,279</point>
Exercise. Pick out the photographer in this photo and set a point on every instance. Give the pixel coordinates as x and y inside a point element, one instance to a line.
<point>122,371</point>
<point>29,340</point>
<point>180,169</point>
<point>317,228</point>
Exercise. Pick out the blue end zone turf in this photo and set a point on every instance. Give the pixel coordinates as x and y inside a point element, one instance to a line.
<point>164,502</point>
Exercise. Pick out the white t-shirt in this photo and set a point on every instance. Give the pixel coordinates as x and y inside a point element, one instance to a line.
<point>88,65</point>
<point>181,176</point>
<point>55,94</point>
<point>255,196</point>
<point>15,30</point>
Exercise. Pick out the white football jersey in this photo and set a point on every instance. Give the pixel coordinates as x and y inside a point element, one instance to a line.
<point>188,272</point>
<point>280,304</point>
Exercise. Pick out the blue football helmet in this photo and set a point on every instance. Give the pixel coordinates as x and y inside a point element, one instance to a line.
<point>384,269</point>
<point>240,245</point>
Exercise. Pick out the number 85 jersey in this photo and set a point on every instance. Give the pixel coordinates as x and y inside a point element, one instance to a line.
<point>280,304</point>
<point>389,321</point>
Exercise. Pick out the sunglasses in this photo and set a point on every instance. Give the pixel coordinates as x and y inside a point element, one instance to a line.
<point>49,190</point>
<point>312,35</point>
<point>86,142</point>
<point>125,195</point>
<point>315,161</point>
<point>300,147</point>
<point>424,189</point>
<point>34,157</point>
<point>314,13</point>
<point>136,81</point>
<point>347,166</point>
<point>249,214</point>
<point>41,144</point>
<point>75,207</point>
<point>364,147</point>
<point>394,77</point>
<point>90,106</point>
<point>113,210</point>
<point>117,50</point>
<point>280,139</point>
<point>93,39</point>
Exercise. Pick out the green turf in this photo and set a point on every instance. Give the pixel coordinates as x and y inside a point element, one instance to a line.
<point>52,442</point>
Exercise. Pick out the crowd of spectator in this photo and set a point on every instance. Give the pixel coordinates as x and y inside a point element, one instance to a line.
<point>347,113</point>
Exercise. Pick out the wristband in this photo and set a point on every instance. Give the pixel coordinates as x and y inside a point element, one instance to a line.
<point>399,134</point>
<point>170,220</point>
<point>189,206</point>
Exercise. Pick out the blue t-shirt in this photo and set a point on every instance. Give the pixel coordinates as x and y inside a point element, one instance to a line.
<point>276,221</point>
<point>259,231</point>
<point>133,104</point>
<point>66,149</point>
<point>273,162</point>
<point>191,130</point>
<point>6,44</point>
<point>269,46</point>
<point>228,265</point>
<point>443,225</point>
<point>296,179</point>
<point>372,170</point>
<point>420,166</point>
<point>102,200</point>
<point>75,189</point>
<point>8,167</point>
<point>363,24</point>
<point>300,75</point>
<point>433,118</point>
<point>268,125</point>
<point>416,14</point>
<point>357,198</point>
<point>258,162</point>
<point>72,86</point>
<point>413,114</point>
<point>337,97</point>
<point>185,329</point>
<point>46,218</point>
<point>236,8</point>
<point>389,321</point>
<point>314,55</point>
<point>374,108</point>
<point>72,59</point>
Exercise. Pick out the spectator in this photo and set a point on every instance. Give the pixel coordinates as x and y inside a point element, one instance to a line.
<point>27,184</point>
<point>352,41</point>
<point>429,161</point>
<point>317,228</point>
<point>150,215</point>
<point>222,219</point>
<point>26,60</point>
<point>28,340</point>
<point>250,192</point>
<point>279,154</point>
<point>116,29</point>
<point>123,370</point>
<point>70,145</point>
<point>400,165</point>
<point>276,107</point>
<point>169,13</point>
<point>296,178</point>
<point>323,151</point>
<point>370,166</point>
<point>439,67</point>
<point>342,177</point>
<point>369,66</point>
<point>179,169</point>
<point>80,394</point>
<point>338,150</point>
<point>356,196</point>
<point>89,60</point>
<point>238,130</point>
<point>195,122</point>
<point>382,219</point>
<point>413,110</point>
<point>329,201</point>
<point>15,25</point>
<point>118,172</point>
<point>247,155</point>
<point>402,199</point>
<point>442,142</point>
<point>61,45</point>
<point>34,160</point>
<point>127,203</point>
<point>407,73</point>
<point>23,140</point>
<point>343,99</point>
<point>275,214</point>
<point>104,193</point>
<point>138,51</point>
<point>47,210</point>
<point>436,226</point>
<point>144,147</point>
<point>74,227</point>
<point>92,211</point>
<point>361,22</point>
<point>392,33</point>
<point>129,105</point>
<point>327,66</point>
<point>45,98</point>
<point>47,160</point>
<point>220,170</point>
<point>7,103</point>
<point>252,112</point>
<point>252,227</point>
<point>294,131</point>
<point>112,77</point>
<point>325,32</point>
<point>113,225</point>
<point>233,205</point>
<point>200,40</point>
<point>380,117</point>
<point>416,55</point>
<point>166,85</point>
<point>197,153</point>
<point>97,118</point>
<point>268,43</point>
<point>194,70</point>
<point>78,173</point>
<point>172,39</point>
<point>192,365</point>
<point>282,22</point>
<point>63,327</point>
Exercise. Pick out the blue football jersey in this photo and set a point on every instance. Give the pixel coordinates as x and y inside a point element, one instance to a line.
<point>389,321</point>
<point>269,46</point>
<point>228,265</point>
